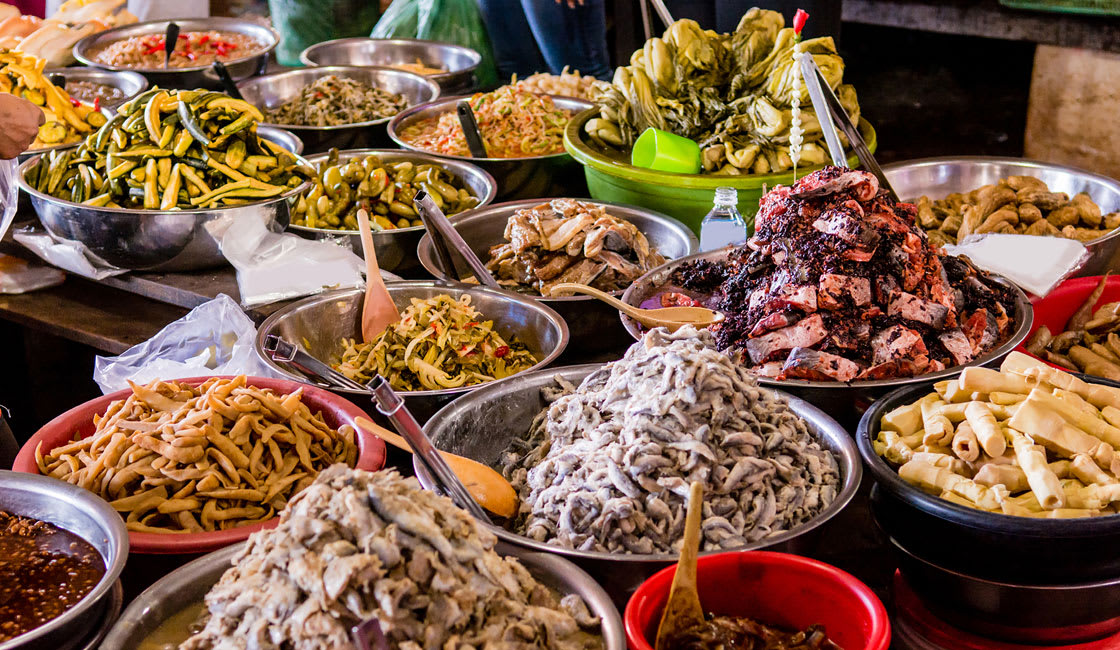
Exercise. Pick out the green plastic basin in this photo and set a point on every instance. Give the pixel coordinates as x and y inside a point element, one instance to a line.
<point>685,197</point>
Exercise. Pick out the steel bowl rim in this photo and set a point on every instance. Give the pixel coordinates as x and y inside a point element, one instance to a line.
<point>1023,317</point>
<point>162,589</point>
<point>575,145</point>
<point>560,325</point>
<point>475,56</point>
<point>118,538</point>
<point>137,212</point>
<point>452,165</point>
<point>1028,163</point>
<point>952,513</point>
<point>430,86</point>
<point>847,459</point>
<point>83,45</point>
<point>482,212</point>
<point>411,111</point>
<point>133,76</point>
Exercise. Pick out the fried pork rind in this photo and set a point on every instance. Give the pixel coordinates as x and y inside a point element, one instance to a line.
<point>175,458</point>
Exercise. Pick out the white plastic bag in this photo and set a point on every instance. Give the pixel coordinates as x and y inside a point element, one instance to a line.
<point>9,194</point>
<point>1037,264</point>
<point>215,338</point>
<point>72,256</point>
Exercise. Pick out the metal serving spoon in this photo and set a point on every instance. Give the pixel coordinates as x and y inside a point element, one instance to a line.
<point>671,318</point>
<point>683,609</point>
<point>170,40</point>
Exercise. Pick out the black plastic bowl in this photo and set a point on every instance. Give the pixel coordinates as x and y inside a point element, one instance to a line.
<point>992,546</point>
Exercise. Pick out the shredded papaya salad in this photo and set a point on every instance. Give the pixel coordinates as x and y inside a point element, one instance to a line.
<point>438,343</point>
<point>514,124</point>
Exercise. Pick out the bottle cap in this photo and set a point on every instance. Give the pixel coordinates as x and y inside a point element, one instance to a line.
<point>727,197</point>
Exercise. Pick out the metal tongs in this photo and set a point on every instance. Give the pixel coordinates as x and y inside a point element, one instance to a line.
<point>830,114</point>
<point>389,404</point>
<point>441,231</point>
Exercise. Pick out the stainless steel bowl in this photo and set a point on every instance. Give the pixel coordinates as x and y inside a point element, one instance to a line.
<point>939,177</point>
<point>594,324</point>
<point>458,61</point>
<point>396,249</point>
<point>187,586</point>
<point>128,82</point>
<point>844,401</point>
<point>278,135</point>
<point>80,512</point>
<point>152,240</point>
<point>481,426</point>
<point>318,324</point>
<point>271,90</point>
<point>518,178</point>
<point>200,76</point>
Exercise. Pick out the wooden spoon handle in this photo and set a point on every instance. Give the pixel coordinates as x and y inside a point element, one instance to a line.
<point>372,270</point>
<point>383,433</point>
<point>575,287</point>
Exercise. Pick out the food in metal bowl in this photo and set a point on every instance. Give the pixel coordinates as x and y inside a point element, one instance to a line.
<point>1022,205</point>
<point>607,467</point>
<point>1027,440</point>
<point>839,283</point>
<point>565,240</point>
<point>384,189</point>
<point>566,84</point>
<point>359,545</point>
<point>193,49</point>
<point>173,457</point>
<point>418,67</point>
<point>335,101</point>
<point>513,123</point>
<point>438,343</point>
<point>67,120</point>
<point>169,149</point>
<point>44,571</point>
<point>90,92</point>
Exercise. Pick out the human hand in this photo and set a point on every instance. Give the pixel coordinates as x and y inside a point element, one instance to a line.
<point>21,120</point>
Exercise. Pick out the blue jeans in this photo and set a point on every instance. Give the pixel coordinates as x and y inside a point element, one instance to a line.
<point>536,35</point>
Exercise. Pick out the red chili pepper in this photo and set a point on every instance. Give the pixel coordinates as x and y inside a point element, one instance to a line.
<point>470,324</point>
<point>183,37</point>
<point>96,103</point>
<point>75,102</point>
<point>501,351</point>
<point>203,39</point>
<point>799,19</point>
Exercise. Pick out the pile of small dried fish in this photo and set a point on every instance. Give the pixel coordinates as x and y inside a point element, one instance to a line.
<point>732,93</point>
<point>607,467</point>
<point>1022,205</point>
<point>566,84</point>
<point>566,240</point>
<point>357,545</point>
<point>334,101</point>
<point>1090,342</point>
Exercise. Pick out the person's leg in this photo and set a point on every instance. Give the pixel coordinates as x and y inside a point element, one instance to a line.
<point>571,36</point>
<point>515,51</point>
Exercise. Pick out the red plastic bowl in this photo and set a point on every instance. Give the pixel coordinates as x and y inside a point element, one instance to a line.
<point>1054,310</point>
<point>777,589</point>
<point>336,410</point>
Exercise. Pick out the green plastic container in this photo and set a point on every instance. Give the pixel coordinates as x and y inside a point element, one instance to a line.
<point>685,197</point>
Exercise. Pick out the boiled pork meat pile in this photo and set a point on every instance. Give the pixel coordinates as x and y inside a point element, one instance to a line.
<point>840,283</point>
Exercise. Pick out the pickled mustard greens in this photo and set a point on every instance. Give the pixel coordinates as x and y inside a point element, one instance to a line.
<point>438,343</point>
<point>732,93</point>
<point>172,149</point>
<point>335,101</point>
<point>385,190</point>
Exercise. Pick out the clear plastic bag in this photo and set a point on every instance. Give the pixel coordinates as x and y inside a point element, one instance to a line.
<point>447,21</point>
<point>9,194</point>
<point>1053,259</point>
<point>215,338</point>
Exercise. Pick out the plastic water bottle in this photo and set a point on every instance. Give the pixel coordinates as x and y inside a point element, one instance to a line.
<point>724,225</point>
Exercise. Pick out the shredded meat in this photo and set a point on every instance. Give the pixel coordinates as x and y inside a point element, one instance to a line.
<point>607,467</point>
<point>840,283</point>
<point>356,545</point>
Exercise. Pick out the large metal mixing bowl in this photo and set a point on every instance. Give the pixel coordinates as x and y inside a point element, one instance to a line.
<point>396,248</point>
<point>844,401</point>
<point>199,76</point>
<point>80,512</point>
<point>155,240</point>
<point>458,61</point>
<point>481,426</point>
<point>594,324</point>
<point>128,82</point>
<point>187,586</point>
<point>554,174</point>
<point>939,177</point>
<point>272,90</point>
<point>318,325</point>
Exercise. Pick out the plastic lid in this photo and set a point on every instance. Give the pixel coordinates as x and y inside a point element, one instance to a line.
<point>727,197</point>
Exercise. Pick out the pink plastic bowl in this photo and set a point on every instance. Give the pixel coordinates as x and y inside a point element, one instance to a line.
<point>777,589</point>
<point>336,410</point>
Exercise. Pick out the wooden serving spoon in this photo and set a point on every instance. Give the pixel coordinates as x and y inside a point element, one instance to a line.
<point>683,609</point>
<point>489,488</point>
<point>672,318</point>
<point>378,311</point>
